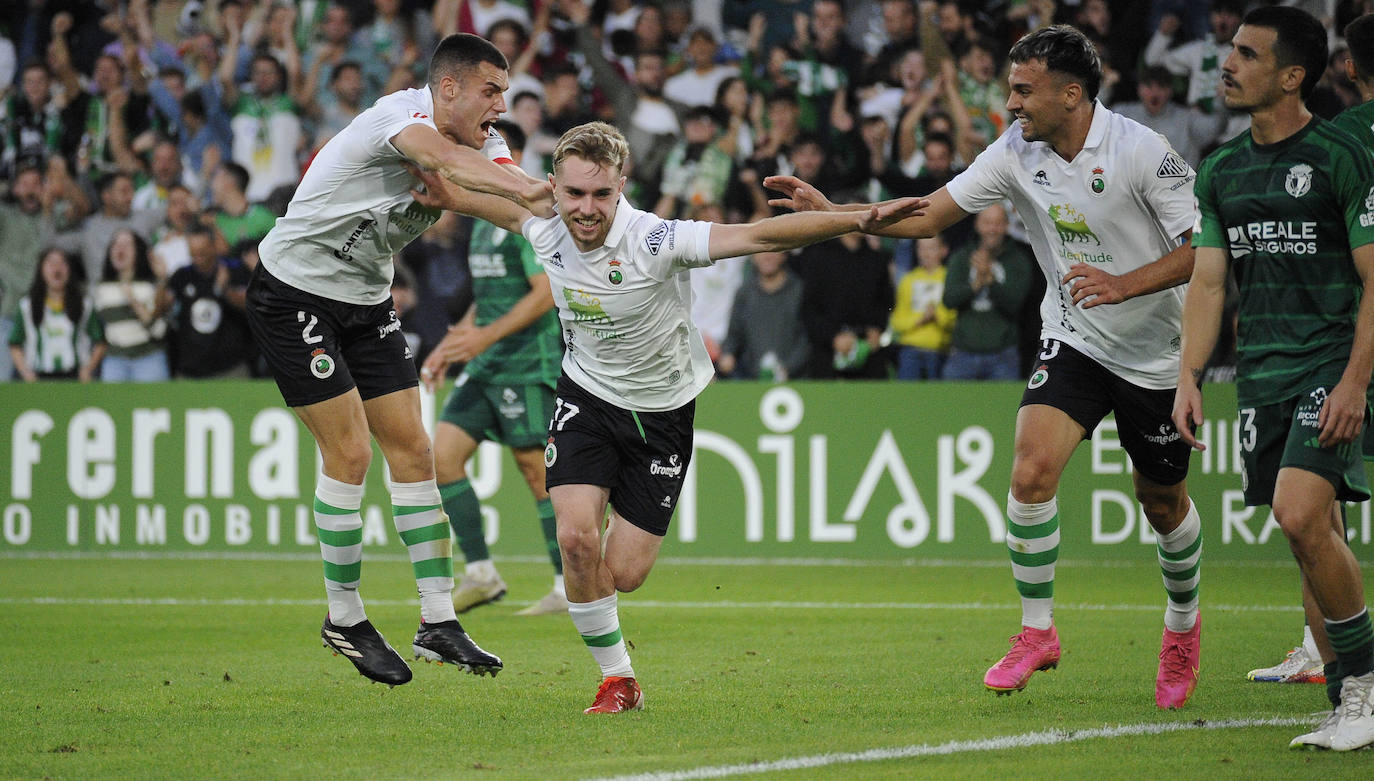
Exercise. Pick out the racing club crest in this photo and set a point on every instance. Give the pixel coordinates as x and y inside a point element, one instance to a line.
<point>1299,180</point>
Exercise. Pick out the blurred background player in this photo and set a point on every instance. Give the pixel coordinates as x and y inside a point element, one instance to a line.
<point>510,340</point>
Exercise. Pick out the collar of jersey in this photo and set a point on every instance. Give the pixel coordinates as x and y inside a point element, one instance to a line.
<point>1097,131</point>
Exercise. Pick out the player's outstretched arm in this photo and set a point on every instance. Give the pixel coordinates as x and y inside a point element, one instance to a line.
<point>471,170</point>
<point>440,193</point>
<point>1342,416</point>
<point>799,196</point>
<point>1201,323</point>
<point>1091,286</point>
<point>789,231</point>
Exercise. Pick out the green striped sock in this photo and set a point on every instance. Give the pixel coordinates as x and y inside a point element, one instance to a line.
<point>339,526</point>
<point>1353,642</point>
<point>1180,561</point>
<point>599,624</point>
<point>1033,542</point>
<point>465,515</point>
<point>550,526</point>
<point>423,528</point>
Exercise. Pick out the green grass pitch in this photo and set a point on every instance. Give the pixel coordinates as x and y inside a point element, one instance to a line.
<point>212,668</point>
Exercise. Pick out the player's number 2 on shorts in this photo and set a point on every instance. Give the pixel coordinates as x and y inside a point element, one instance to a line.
<point>562,413</point>
<point>1248,433</point>
<point>1048,349</point>
<point>307,333</point>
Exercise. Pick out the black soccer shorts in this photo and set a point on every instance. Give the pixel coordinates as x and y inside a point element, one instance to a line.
<point>319,348</point>
<point>641,457</point>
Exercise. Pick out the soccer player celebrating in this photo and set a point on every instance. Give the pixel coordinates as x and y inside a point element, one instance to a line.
<point>320,308</point>
<point>1290,207</point>
<point>509,339</point>
<point>1108,206</point>
<point>621,431</point>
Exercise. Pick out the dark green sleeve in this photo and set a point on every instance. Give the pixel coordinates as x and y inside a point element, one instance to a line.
<point>1209,231</point>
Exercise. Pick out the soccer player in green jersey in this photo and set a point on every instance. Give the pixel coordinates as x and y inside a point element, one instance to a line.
<point>1358,120</point>
<point>1290,207</point>
<point>510,340</point>
<point>1304,663</point>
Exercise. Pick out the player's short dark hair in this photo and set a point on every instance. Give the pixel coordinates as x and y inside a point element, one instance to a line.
<point>461,51</point>
<point>1359,36</point>
<point>238,172</point>
<point>1064,50</point>
<point>1300,40</point>
<point>515,137</point>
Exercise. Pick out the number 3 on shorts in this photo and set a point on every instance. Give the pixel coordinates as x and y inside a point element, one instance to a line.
<point>1048,349</point>
<point>1249,434</point>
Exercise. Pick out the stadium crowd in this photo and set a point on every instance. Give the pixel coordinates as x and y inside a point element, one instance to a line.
<point>146,146</point>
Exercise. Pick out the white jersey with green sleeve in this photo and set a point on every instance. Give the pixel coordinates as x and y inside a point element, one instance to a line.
<point>1124,201</point>
<point>353,210</point>
<point>625,307</point>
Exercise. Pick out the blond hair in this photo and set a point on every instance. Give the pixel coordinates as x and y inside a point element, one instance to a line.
<point>595,142</point>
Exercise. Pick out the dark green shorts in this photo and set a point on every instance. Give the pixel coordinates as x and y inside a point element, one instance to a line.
<point>1277,436</point>
<point>513,415</point>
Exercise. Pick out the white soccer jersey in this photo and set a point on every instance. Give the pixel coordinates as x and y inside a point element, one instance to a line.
<point>353,210</point>
<point>625,307</point>
<point>1122,202</point>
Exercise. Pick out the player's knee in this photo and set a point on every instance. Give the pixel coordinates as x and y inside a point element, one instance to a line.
<point>347,461</point>
<point>1301,531</point>
<point>1033,481</point>
<point>629,580</point>
<point>1163,506</point>
<point>580,545</point>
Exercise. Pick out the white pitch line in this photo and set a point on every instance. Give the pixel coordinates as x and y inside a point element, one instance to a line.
<point>670,561</point>
<point>632,604</point>
<point>1025,740</point>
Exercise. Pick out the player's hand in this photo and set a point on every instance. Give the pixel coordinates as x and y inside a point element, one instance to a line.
<point>1188,413</point>
<point>881,216</point>
<point>1342,416</point>
<point>797,195</point>
<point>439,193</point>
<point>464,342</point>
<point>538,197</point>
<point>1090,286</point>
<point>434,369</point>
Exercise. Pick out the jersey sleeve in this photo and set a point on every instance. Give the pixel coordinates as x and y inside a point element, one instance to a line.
<point>542,235</point>
<point>1354,180</point>
<point>529,260</point>
<point>495,148</point>
<point>985,181</point>
<point>390,116</point>
<point>1165,182</point>
<point>1208,230</point>
<point>688,242</point>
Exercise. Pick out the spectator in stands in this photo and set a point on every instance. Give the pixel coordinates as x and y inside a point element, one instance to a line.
<point>31,127</point>
<point>1199,61</point>
<point>513,38</point>
<point>779,132</point>
<point>901,30</point>
<point>333,48</point>
<point>131,303</point>
<point>395,46</point>
<point>648,120</point>
<point>265,121</point>
<point>92,239</point>
<point>846,306</point>
<point>477,16</point>
<point>26,226</point>
<point>696,85</point>
<point>164,168</point>
<point>732,106</point>
<point>565,105</point>
<point>714,287</point>
<point>987,284</point>
<point>344,101</point>
<point>209,335</point>
<point>921,323</point>
<point>236,217</point>
<point>697,171</point>
<point>56,335</point>
<point>170,250</point>
<point>1190,131</point>
<point>101,117</point>
<point>526,110</point>
<point>204,141</point>
<point>766,335</point>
